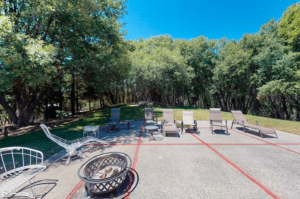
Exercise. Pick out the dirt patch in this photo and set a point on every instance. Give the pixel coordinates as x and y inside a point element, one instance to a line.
<point>16,131</point>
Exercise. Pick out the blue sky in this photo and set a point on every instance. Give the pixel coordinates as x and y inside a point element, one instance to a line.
<point>192,18</point>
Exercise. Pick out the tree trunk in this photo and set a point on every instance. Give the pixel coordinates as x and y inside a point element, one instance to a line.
<point>73,95</point>
<point>60,99</point>
<point>89,103</point>
<point>12,115</point>
<point>275,109</point>
<point>77,98</point>
<point>47,109</point>
<point>285,107</point>
<point>5,131</point>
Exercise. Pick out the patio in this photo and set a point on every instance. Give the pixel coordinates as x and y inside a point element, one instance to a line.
<point>193,166</point>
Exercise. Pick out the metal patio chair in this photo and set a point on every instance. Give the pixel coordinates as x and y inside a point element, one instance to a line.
<point>149,116</point>
<point>216,119</point>
<point>240,119</point>
<point>114,119</point>
<point>188,119</point>
<point>70,146</point>
<point>17,166</point>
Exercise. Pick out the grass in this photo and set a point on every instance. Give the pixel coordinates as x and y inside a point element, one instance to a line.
<point>38,140</point>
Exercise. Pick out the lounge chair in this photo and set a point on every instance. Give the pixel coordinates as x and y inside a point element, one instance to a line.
<point>240,119</point>
<point>168,124</point>
<point>149,117</point>
<point>188,119</point>
<point>70,146</point>
<point>216,119</point>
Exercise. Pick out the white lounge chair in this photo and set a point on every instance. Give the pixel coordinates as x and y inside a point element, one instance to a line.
<point>70,146</point>
<point>188,119</point>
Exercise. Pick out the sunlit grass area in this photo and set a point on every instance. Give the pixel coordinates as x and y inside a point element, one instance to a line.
<point>38,140</point>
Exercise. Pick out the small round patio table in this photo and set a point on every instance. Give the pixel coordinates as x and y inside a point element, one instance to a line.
<point>113,126</point>
<point>89,128</point>
<point>151,129</point>
<point>128,121</point>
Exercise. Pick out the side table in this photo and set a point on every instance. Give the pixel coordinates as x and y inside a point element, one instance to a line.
<point>151,129</point>
<point>89,128</point>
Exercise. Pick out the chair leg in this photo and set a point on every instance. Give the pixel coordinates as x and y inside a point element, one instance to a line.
<point>232,124</point>
<point>261,135</point>
<point>68,160</point>
<point>181,127</point>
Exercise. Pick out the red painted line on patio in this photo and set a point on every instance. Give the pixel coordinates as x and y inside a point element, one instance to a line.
<point>136,154</point>
<point>166,144</point>
<point>288,143</point>
<point>137,149</point>
<point>236,144</point>
<point>239,169</point>
<point>171,144</point>
<point>265,141</point>
<point>74,190</point>
<point>118,144</point>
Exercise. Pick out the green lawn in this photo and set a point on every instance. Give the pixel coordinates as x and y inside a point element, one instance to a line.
<point>38,140</point>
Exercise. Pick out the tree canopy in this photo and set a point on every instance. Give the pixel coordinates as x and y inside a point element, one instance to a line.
<point>69,51</point>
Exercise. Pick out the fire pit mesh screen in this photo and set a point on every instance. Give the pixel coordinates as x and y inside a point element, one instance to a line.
<point>104,173</point>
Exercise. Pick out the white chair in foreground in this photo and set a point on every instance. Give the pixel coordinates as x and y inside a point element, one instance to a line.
<point>188,119</point>
<point>17,166</point>
<point>70,146</point>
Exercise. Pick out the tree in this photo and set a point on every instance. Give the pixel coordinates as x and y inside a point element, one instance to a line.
<point>289,26</point>
<point>52,38</point>
<point>26,66</point>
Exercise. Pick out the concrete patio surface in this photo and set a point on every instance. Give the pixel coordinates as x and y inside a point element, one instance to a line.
<point>204,165</point>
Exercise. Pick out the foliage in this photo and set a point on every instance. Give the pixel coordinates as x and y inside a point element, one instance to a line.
<point>289,27</point>
<point>48,46</point>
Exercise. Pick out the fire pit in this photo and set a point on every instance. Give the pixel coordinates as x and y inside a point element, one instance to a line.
<point>105,172</point>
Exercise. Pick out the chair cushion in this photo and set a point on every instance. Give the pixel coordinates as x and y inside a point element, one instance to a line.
<point>170,127</point>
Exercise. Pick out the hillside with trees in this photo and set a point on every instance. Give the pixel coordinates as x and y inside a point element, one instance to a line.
<point>73,54</point>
